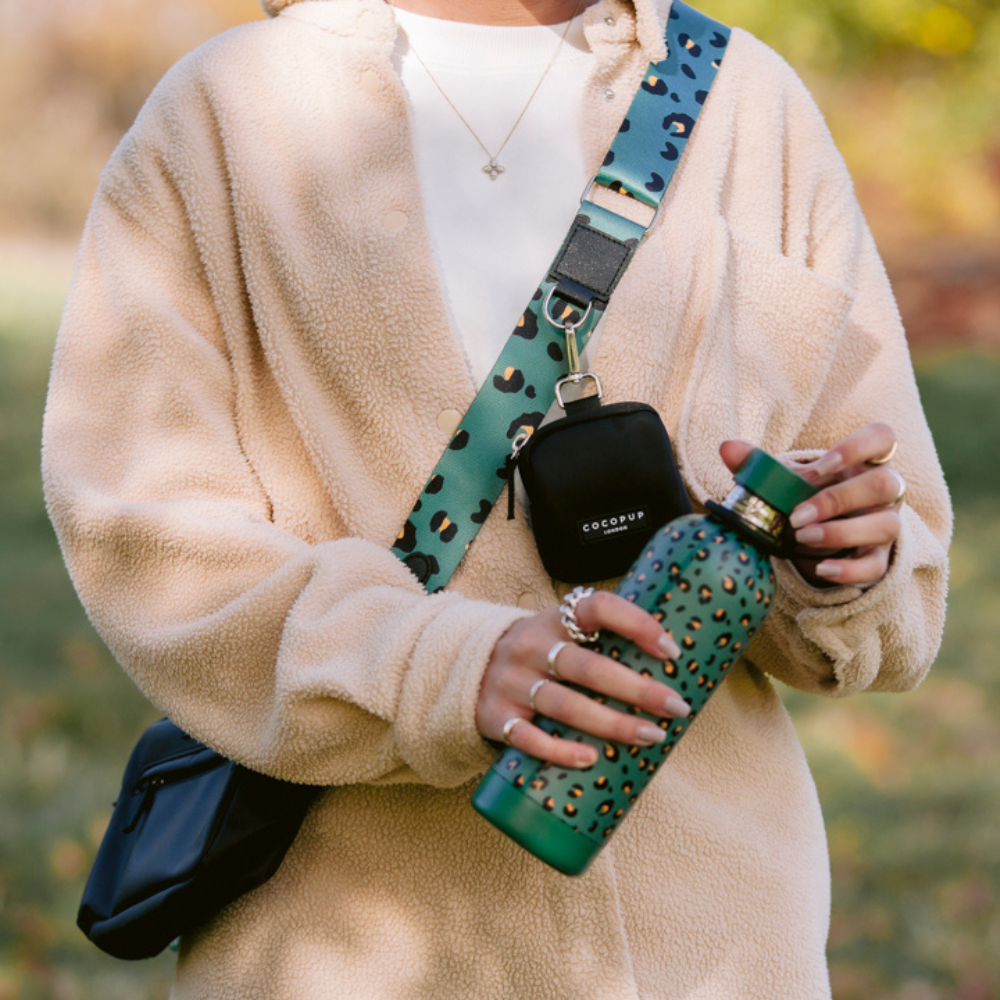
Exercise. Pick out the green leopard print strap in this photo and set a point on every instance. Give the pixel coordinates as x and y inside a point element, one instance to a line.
<point>659,123</point>
<point>519,390</point>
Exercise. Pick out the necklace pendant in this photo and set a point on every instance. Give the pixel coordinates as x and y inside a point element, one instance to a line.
<point>493,169</point>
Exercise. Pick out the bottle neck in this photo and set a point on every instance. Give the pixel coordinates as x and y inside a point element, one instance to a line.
<point>763,522</point>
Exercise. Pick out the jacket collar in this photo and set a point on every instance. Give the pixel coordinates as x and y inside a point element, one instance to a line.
<point>642,21</point>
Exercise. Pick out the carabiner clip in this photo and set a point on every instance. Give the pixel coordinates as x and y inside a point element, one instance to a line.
<point>569,329</point>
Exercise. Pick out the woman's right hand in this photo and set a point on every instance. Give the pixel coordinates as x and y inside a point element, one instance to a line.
<point>519,660</point>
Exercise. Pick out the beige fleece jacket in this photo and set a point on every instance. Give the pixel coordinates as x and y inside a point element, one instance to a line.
<point>243,408</point>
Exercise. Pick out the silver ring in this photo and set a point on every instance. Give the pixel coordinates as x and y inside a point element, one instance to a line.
<point>885,458</point>
<point>568,611</point>
<point>535,688</point>
<point>508,728</point>
<point>547,311</point>
<point>550,658</point>
<point>902,487</point>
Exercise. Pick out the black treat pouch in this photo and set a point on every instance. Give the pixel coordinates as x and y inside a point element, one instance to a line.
<point>600,481</point>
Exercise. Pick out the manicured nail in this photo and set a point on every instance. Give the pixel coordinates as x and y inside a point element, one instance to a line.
<point>585,757</point>
<point>676,706</point>
<point>809,535</point>
<point>828,570</point>
<point>650,734</point>
<point>803,515</point>
<point>829,463</point>
<point>668,647</point>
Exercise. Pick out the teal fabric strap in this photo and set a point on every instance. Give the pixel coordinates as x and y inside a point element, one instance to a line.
<point>519,390</point>
<point>659,122</point>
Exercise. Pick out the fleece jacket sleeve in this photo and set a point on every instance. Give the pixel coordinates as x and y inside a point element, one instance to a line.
<point>322,663</point>
<point>846,639</point>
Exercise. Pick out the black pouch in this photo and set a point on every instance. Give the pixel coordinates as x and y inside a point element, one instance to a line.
<point>599,481</point>
<point>191,832</point>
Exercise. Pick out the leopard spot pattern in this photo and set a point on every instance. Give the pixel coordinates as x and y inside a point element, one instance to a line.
<point>707,613</point>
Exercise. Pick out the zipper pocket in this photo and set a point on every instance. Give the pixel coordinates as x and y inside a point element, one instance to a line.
<point>172,771</point>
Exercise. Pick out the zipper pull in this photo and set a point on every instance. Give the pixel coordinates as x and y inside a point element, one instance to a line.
<point>510,461</point>
<point>149,788</point>
<point>510,464</point>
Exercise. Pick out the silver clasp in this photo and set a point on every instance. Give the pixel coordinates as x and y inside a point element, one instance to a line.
<point>563,324</point>
<point>569,330</point>
<point>521,438</point>
<point>623,194</point>
<point>576,379</point>
<point>574,376</point>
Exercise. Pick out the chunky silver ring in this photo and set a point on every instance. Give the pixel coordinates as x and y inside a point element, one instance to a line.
<point>568,611</point>
<point>535,688</point>
<point>885,458</point>
<point>550,657</point>
<point>902,487</point>
<point>508,728</point>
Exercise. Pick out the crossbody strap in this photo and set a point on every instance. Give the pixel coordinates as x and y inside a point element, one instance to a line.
<point>519,390</point>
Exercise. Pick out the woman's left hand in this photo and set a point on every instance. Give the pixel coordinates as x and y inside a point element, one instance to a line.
<point>845,532</point>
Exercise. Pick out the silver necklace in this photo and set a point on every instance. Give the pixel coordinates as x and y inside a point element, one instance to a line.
<point>493,169</point>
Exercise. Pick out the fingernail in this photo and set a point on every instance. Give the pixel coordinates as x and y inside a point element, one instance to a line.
<point>676,706</point>
<point>829,463</point>
<point>803,515</point>
<point>828,570</point>
<point>584,758</point>
<point>668,647</point>
<point>649,733</point>
<point>809,535</point>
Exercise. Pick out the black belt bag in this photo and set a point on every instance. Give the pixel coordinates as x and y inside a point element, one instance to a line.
<point>191,832</point>
<point>599,482</point>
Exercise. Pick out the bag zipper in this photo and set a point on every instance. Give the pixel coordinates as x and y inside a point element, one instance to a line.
<point>149,784</point>
<point>148,787</point>
<point>510,464</point>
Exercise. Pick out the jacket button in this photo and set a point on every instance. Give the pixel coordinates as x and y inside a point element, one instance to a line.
<point>609,94</point>
<point>394,220</point>
<point>448,421</point>
<point>528,602</point>
<point>371,83</point>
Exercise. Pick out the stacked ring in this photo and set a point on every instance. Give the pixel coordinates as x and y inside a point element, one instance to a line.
<point>550,658</point>
<point>568,611</point>
<point>508,728</point>
<point>885,458</point>
<point>535,688</point>
<point>902,487</point>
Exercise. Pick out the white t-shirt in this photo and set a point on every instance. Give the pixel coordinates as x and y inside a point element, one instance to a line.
<point>494,239</point>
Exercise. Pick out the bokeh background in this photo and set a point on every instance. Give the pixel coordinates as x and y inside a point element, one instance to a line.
<point>910,784</point>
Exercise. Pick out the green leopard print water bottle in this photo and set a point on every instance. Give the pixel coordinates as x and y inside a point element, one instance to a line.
<point>708,578</point>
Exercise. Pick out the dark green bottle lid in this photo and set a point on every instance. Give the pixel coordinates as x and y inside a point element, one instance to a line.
<point>775,484</point>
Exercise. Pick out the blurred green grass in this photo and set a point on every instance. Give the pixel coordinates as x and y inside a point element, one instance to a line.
<point>910,784</point>
<point>68,714</point>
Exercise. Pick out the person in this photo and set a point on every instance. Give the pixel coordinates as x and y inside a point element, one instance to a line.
<point>299,261</point>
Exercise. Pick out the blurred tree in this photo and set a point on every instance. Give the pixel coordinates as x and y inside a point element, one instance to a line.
<point>912,92</point>
<point>911,88</point>
<point>72,79</point>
